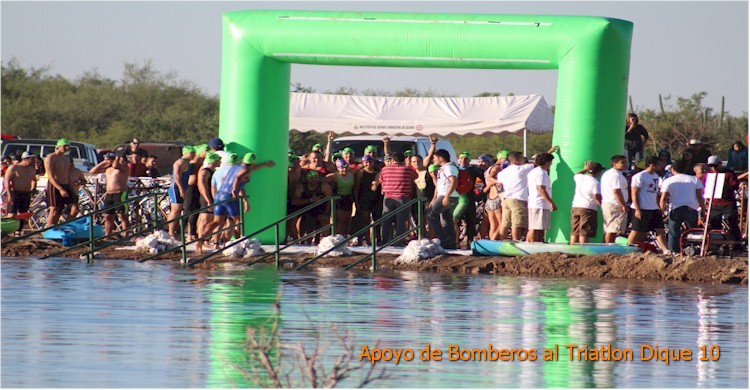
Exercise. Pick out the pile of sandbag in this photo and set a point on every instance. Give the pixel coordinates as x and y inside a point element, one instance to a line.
<point>156,242</point>
<point>247,248</point>
<point>420,250</point>
<point>329,242</point>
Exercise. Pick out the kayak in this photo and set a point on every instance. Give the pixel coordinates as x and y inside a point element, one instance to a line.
<point>519,248</point>
<point>9,225</point>
<point>72,232</point>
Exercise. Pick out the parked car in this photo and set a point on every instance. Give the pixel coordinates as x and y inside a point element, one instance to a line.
<point>166,153</point>
<point>419,145</point>
<point>84,155</point>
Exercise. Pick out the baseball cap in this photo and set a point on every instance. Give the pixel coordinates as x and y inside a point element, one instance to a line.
<point>367,157</point>
<point>486,158</point>
<point>62,141</point>
<point>249,158</point>
<point>371,148</point>
<point>467,154</point>
<point>714,160</point>
<point>387,157</point>
<point>318,147</point>
<point>135,140</point>
<point>341,163</point>
<point>433,168</point>
<point>188,149</point>
<point>233,159</point>
<point>502,154</point>
<point>216,142</point>
<point>348,150</point>
<point>212,157</point>
<point>26,155</point>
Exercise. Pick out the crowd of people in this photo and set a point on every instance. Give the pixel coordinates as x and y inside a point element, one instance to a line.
<point>651,194</point>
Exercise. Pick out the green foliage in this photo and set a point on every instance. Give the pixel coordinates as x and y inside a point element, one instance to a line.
<point>145,103</point>
<point>493,143</point>
<point>673,126</point>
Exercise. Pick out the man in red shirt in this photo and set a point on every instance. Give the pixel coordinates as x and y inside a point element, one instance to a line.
<point>136,167</point>
<point>397,181</point>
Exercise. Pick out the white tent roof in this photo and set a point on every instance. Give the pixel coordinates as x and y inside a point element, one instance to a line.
<point>419,115</point>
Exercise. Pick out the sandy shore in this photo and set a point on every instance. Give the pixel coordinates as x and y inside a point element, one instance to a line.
<point>645,266</point>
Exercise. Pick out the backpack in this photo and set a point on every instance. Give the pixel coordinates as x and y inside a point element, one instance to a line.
<point>465,182</point>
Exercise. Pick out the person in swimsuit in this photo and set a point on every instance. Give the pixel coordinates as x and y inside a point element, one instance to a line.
<point>493,205</point>
<point>211,162</point>
<point>180,175</point>
<point>57,166</point>
<point>243,177</point>
<point>369,202</point>
<point>117,173</point>
<point>192,195</point>
<point>344,180</point>
<point>307,193</point>
<point>295,176</point>
<point>318,164</point>
<point>20,180</point>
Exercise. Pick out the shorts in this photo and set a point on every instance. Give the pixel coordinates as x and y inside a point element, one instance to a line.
<point>174,195</point>
<point>192,202</point>
<point>462,206</point>
<point>583,222</point>
<point>493,204</point>
<point>231,208</point>
<point>111,200</point>
<point>515,213</point>
<point>615,220</point>
<point>649,222</point>
<point>204,205</point>
<point>55,199</point>
<point>539,219</point>
<point>21,202</point>
<point>346,203</point>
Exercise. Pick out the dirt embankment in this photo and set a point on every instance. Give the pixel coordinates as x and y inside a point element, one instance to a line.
<point>644,266</point>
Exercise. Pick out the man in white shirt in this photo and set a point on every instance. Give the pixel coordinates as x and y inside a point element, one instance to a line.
<point>440,211</point>
<point>614,190</point>
<point>540,203</point>
<point>685,195</point>
<point>647,216</point>
<point>513,183</point>
<point>583,217</point>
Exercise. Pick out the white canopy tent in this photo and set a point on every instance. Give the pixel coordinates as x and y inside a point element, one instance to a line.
<point>420,115</point>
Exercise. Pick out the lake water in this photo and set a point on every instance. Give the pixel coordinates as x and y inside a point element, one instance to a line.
<point>126,324</point>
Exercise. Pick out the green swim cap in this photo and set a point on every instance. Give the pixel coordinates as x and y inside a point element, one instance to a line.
<point>318,147</point>
<point>201,148</point>
<point>371,148</point>
<point>408,153</point>
<point>249,158</point>
<point>62,141</point>
<point>212,157</point>
<point>293,157</point>
<point>467,154</point>
<point>336,156</point>
<point>433,168</point>
<point>233,159</point>
<point>348,150</point>
<point>188,149</point>
<point>312,174</point>
<point>502,154</point>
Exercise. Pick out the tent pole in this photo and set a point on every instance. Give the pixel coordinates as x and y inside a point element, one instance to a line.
<point>525,142</point>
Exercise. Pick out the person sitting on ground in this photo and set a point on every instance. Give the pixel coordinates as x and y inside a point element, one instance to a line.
<point>57,166</point>
<point>615,195</point>
<point>116,173</point>
<point>343,181</point>
<point>306,193</point>
<point>20,181</point>
<point>724,208</point>
<point>685,196</point>
<point>135,167</point>
<point>210,164</point>
<point>540,203</point>
<point>440,211</point>
<point>152,168</point>
<point>583,215</point>
<point>646,215</point>
<point>737,157</point>
<point>180,174</point>
<point>397,182</point>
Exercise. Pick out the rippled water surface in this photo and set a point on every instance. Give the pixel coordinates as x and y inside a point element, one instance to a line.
<point>126,324</point>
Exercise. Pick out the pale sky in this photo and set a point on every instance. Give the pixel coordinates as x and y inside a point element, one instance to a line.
<point>679,48</point>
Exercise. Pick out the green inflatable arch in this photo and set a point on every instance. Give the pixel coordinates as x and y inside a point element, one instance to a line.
<point>591,54</point>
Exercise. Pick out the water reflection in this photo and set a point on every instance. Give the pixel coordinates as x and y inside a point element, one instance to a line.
<point>188,328</point>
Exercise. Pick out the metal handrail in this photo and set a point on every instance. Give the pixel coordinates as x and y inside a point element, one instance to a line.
<point>371,227</point>
<point>277,223</point>
<point>14,239</point>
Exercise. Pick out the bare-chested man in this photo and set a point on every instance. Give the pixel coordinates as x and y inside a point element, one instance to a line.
<point>116,173</point>
<point>205,174</point>
<point>76,180</point>
<point>57,165</point>
<point>20,181</point>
